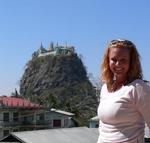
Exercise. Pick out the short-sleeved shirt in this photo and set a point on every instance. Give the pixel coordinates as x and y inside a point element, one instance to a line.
<point>123,113</point>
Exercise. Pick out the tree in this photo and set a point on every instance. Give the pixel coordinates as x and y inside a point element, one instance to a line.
<point>15,94</point>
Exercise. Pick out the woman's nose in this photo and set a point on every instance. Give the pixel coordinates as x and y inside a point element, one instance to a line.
<point>117,63</point>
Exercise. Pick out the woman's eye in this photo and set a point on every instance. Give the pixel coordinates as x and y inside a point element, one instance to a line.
<point>123,61</point>
<point>113,60</point>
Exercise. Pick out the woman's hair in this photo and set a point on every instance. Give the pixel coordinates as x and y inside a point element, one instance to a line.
<point>135,70</point>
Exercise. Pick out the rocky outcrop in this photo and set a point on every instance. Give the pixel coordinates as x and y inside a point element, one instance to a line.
<point>60,82</point>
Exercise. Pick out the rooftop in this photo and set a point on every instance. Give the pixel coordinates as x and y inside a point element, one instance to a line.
<point>13,102</point>
<point>62,112</point>
<point>64,135</point>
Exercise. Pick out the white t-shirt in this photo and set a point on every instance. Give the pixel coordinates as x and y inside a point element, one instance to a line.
<point>123,113</point>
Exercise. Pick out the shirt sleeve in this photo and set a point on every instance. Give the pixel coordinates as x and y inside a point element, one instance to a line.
<point>143,101</point>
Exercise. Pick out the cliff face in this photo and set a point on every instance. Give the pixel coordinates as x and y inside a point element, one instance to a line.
<point>60,82</point>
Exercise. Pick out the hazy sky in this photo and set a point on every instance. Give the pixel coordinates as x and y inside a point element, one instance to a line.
<point>87,25</point>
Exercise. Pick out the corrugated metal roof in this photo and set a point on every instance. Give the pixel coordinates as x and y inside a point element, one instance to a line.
<point>63,135</point>
<point>63,112</point>
<point>96,118</point>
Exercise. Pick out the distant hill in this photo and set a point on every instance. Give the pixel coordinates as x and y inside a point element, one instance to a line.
<point>60,81</point>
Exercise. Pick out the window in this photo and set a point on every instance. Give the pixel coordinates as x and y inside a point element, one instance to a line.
<point>6,117</point>
<point>5,133</point>
<point>15,130</point>
<point>15,117</point>
<point>40,117</point>
<point>56,123</point>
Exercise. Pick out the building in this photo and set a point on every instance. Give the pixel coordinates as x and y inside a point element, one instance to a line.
<point>63,135</point>
<point>18,114</point>
<point>60,119</point>
<point>54,50</point>
<point>94,122</point>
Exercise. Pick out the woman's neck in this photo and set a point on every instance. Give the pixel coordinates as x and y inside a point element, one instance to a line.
<point>116,85</point>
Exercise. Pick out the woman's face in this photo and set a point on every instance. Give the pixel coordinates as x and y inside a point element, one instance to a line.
<point>119,62</point>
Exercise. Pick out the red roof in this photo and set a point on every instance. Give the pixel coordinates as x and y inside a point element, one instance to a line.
<point>16,102</point>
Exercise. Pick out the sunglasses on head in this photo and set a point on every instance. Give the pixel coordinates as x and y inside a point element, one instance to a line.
<point>126,42</point>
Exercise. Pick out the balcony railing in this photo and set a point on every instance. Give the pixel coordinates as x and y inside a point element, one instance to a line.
<point>10,123</point>
<point>24,123</point>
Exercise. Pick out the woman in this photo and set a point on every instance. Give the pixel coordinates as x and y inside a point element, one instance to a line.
<point>125,98</point>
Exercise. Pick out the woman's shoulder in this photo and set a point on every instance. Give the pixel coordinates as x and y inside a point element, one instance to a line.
<point>139,82</point>
<point>104,86</point>
<point>141,85</point>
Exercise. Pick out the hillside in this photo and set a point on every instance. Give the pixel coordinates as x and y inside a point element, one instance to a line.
<point>60,81</point>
